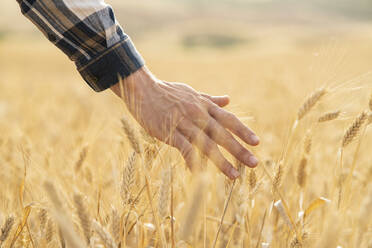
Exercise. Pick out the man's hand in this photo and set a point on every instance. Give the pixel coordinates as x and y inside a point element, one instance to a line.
<point>183,118</point>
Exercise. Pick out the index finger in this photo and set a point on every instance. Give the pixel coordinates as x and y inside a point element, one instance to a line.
<point>231,122</point>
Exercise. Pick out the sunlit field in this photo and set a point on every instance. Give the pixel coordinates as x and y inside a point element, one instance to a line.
<point>71,177</point>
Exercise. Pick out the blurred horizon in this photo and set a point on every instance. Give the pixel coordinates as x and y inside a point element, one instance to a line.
<point>138,18</point>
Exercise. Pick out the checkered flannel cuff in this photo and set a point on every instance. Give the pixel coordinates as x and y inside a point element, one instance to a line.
<point>105,69</point>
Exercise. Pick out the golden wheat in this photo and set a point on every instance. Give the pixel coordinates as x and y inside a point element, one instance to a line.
<point>310,102</point>
<point>5,230</point>
<point>131,135</point>
<point>128,179</point>
<point>278,176</point>
<point>354,129</point>
<point>130,196</point>
<point>252,179</point>
<point>164,193</point>
<point>104,235</point>
<point>329,116</point>
<point>49,232</point>
<point>83,215</point>
<point>301,175</point>
<point>82,156</point>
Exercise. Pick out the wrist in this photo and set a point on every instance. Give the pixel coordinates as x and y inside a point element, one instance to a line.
<point>136,83</point>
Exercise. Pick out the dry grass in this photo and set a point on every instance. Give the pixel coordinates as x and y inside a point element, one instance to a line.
<point>108,184</point>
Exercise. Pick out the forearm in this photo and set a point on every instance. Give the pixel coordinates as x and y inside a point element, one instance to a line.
<point>87,32</point>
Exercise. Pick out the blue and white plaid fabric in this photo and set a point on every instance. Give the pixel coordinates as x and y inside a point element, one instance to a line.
<point>88,33</point>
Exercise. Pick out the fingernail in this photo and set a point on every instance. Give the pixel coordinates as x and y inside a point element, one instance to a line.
<point>253,161</point>
<point>255,139</point>
<point>235,173</point>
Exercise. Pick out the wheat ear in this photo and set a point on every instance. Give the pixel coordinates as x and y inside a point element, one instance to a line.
<point>329,116</point>
<point>128,179</point>
<point>115,225</point>
<point>7,227</point>
<point>104,235</point>
<point>308,143</point>
<point>301,175</point>
<point>163,202</point>
<point>252,179</point>
<point>131,135</point>
<point>82,157</point>
<point>354,129</point>
<point>83,216</point>
<point>49,232</point>
<point>310,102</point>
<point>278,176</point>
<point>43,214</point>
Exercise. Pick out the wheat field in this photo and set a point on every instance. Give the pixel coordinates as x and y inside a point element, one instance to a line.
<point>78,171</point>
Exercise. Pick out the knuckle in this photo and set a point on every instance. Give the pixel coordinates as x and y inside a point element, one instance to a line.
<point>214,109</point>
<point>194,110</point>
<point>244,132</point>
<point>241,152</point>
<point>230,116</point>
<point>194,136</point>
<point>225,167</point>
<point>210,149</point>
<point>228,138</point>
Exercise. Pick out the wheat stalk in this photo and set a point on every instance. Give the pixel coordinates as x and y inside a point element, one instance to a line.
<point>295,243</point>
<point>83,215</point>
<point>329,116</point>
<point>61,238</point>
<point>104,235</point>
<point>149,139</point>
<point>43,214</point>
<point>49,232</point>
<point>308,142</point>
<point>6,228</point>
<point>128,179</point>
<point>310,102</point>
<point>82,157</point>
<point>354,129</point>
<point>301,175</point>
<point>193,209</point>
<point>283,213</point>
<point>131,135</point>
<point>115,225</point>
<point>223,214</point>
<point>65,231</point>
<point>252,179</point>
<point>241,168</point>
<point>278,176</point>
<point>163,202</point>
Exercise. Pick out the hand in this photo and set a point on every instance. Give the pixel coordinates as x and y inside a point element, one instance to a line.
<point>183,118</point>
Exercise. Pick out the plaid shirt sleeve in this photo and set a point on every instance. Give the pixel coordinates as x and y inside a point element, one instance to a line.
<point>88,33</point>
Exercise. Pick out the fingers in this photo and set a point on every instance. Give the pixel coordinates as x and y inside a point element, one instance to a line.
<point>188,152</point>
<point>231,122</point>
<point>221,101</point>
<point>208,147</point>
<point>224,138</point>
